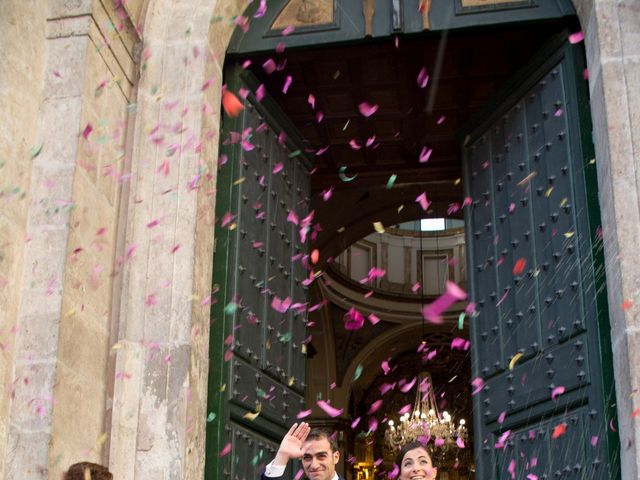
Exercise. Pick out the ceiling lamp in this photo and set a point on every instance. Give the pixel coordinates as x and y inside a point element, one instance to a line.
<point>426,423</point>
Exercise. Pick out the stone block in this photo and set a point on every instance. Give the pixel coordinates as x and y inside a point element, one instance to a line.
<point>59,132</point>
<point>32,403</point>
<point>65,70</point>
<point>45,259</point>
<point>84,347</point>
<point>629,18</point>
<point>608,29</point>
<point>69,8</point>
<point>51,195</point>
<point>27,455</point>
<point>37,337</point>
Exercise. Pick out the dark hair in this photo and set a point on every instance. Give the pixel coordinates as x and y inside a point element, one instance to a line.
<point>407,447</point>
<point>96,472</point>
<point>320,433</point>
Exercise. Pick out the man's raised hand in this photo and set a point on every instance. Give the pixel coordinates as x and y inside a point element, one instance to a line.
<point>291,445</point>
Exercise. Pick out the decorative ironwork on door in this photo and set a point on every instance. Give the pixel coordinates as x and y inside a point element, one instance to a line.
<point>541,406</point>
<point>258,264</point>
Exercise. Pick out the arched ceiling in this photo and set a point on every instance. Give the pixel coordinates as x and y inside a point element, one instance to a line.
<point>466,69</point>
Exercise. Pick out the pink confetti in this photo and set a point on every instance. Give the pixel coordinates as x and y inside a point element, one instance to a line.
<point>438,442</point>
<point>227,218</point>
<point>477,383</point>
<point>288,30</point>
<point>394,473</point>
<point>433,311</point>
<point>355,423</point>
<point>260,92</point>
<point>423,78</point>
<point>329,410</point>
<point>385,367</point>
<point>262,9</point>
<point>556,392</point>
<point>532,476</point>
<point>409,385</point>
<point>425,154</point>
<point>594,440</point>
<point>366,109</point>
<point>459,442</point>
<point>269,66</point>
<point>423,201</point>
<point>277,168</point>
<point>441,120</point>
<point>375,406</point>
<point>558,112</point>
<point>373,424</point>
<point>312,100</point>
<point>320,151</point>
<point>299,474</point>
<point>353,320</point>
<point>242,22</point>
<point>326,194</point>
<point>226,450</point>
<point>287,84</point>
<point>293,218</point>
<point>319,117</point>
<point>353,143</point>
<point>501,417</point>
<point>280,305</point>
<point>405,409</point>
<point>87,130</point>
<point>303,414</point>
<point>373,318</point>
<point>512,468</point>
<point>576,37</point>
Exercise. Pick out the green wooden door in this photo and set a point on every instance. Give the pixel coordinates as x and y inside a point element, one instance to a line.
<point>541,347</point>
<point>257,359</point>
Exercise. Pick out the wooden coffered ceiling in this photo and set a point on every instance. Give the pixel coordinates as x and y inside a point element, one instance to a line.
<point>466,69</point>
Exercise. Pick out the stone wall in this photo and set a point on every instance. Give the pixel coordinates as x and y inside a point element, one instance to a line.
<point>23,45</point>
<point>73,83</point>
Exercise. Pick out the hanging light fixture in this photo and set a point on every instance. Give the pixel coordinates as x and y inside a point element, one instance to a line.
<point>425,422</point>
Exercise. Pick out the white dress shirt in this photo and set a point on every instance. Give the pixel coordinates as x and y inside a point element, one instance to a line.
<point>272,470</point>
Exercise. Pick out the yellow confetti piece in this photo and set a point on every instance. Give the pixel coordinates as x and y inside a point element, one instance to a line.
<point>563,202</point>
<point>548,192</point>
<point>568,235</point>
<point>303,349</point>
<point>513,361</point>
<point>71,312</point>
<point>223,387</point>
<point>291,381</point>
<point>341,229</point>
<point>240,180</point>
<point>101,439</point>
<point>378,227</point>
<point>251,416</point>
<point>457,181</point>
<point>467,139</point>
<point>116,346</point>
<point>400,208</point>
<point>592,161</point>
<point>233,226</point>
<point>527,179</point>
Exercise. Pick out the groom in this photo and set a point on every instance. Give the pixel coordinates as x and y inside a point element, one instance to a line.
<point>318,450</point>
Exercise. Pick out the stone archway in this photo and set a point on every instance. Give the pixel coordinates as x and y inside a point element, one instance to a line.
<point>140,412</point>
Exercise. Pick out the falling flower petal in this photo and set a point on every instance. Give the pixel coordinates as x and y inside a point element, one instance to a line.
<point>353,319</point>
<point>375,406</point>
<point>433,311</point>
<point>423,201</point>
<point>559,430</point>
<point>269,66</point>
<point>576,37</point>
<point>459,442</point>
<point>303,414</point>
<point>231,104</point>
<point>423,78</point>
<point>425,154</point>
<point>328,409</point>
<point>226,450</point>
<point>519,266</point>
<point>556,392</point>
<point>287,84</point>
<point>262,9</point>
<point>366,109</point>
<point>477,383</point>
<point>513,361</point>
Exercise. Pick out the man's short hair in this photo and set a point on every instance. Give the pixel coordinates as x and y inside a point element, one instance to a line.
<point>87,470</point>
<point>320,433</point>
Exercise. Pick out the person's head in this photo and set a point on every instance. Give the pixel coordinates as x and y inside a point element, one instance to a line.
<point>414,461</point>
<point>87,471</point>
<point>320,455</point>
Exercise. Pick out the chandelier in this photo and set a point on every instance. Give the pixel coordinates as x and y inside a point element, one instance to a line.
<point>426,423</point>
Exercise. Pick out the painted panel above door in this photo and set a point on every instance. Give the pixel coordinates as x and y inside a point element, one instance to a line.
<point>305,23</point>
